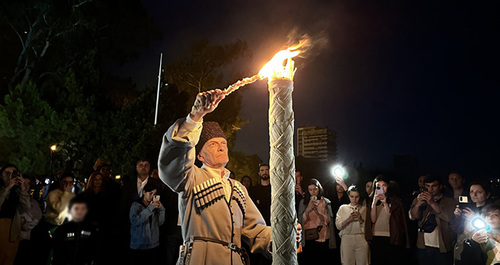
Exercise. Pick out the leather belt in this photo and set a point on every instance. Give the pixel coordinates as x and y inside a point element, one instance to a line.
<point>241,251</point>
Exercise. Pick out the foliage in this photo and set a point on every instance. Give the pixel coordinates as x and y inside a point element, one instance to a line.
<point>57,89</point>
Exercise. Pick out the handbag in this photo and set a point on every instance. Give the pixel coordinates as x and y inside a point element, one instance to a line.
<point>312,234</point>
<point>428,224</point>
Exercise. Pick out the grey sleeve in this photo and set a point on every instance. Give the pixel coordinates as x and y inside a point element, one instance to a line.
<point>178,154</point>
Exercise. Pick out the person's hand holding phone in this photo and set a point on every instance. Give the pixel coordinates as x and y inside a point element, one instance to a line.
<point>480,236</point>
<point>355,216</point>
<point>424,196</point>
<point>468,213</point>
<point>457,211</point>
<point>156,201</point>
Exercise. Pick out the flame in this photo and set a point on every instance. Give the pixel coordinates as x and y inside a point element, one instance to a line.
<point>275,68</point>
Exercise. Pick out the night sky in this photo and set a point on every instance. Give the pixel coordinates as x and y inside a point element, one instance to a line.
<point>391,77</point>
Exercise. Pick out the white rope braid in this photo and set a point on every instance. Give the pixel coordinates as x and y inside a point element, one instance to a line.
<point>282,172</point>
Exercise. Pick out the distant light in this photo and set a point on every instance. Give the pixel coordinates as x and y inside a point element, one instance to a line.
<point>118,177</point>
<point>338,171</point>
<point>53,147</point>
<point>25,32</point>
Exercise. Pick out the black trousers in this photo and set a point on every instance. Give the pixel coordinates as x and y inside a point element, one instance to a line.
<point>384,253</point>
<point>315,253</point>
<point>145,256</point>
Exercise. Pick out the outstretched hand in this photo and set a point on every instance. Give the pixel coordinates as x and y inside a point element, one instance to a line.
<point>206,102</point>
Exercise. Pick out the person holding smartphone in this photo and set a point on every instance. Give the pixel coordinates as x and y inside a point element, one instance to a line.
<point>146,216</point>
<point>464,213</point>
<point>350,221</point>
<point>385,225</point>
<point>14,200</point>
<point>317,219</point>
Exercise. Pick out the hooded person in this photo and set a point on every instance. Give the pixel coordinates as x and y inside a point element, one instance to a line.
<point>216,213</point>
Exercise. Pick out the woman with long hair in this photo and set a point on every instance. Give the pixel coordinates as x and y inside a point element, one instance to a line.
<point>14,200</point>
<point>385,226</point>
<point>316,217</point>
<point>350,220</point>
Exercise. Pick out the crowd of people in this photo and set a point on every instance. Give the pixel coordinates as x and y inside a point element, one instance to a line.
<point>105,221</point>
<point>100,221</point>
<point>184,214</point>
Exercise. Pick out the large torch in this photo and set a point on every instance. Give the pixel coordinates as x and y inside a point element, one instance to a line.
<point>280,71</point>
<point>282,161</point>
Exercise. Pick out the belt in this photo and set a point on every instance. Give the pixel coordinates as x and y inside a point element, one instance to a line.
<point>241,251</point>
<point>231,246</point>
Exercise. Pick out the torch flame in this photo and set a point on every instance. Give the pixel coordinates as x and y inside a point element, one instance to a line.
<point>275,69</point>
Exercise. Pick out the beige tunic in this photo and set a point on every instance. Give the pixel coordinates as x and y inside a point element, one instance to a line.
<point>203,208</point>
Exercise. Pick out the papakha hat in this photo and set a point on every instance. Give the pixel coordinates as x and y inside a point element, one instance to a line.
<point>211,129</point>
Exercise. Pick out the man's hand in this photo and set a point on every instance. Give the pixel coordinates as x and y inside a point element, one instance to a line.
<point>206,102</point>
<point>424,197</point>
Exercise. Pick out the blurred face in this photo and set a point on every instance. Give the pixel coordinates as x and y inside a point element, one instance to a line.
<point>66,181</point>
<point>382,185</point>
<point>298,177</point>
<point>313,190</point>
<point>456,181</point>
<point>143,168</point>
<point>339,189</point>
<point>246,182</point>
<point>354,197</point>
<point>97,181</point>
<point>105,171</point>
<point>369,187</point>
<point>148,195</point>
<point>421,183</point>
<point>264,172</point>
<point>26,183</point>
<point>478,195</point>
<point>434,188</point>
<point>78,212</point>
<point>214,153</point>
<point>7,173</point>
<point>493,219</point>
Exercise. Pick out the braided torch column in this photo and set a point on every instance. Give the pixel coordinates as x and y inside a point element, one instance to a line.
<point>282,165</point>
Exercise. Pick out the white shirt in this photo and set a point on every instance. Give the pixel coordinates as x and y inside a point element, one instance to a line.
<point>432,239</point>
<point>140,185</point>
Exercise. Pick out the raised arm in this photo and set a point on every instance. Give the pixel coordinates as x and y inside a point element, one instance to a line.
<point>177,153</point>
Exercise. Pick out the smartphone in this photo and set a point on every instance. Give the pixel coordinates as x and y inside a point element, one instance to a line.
<point>463,201</point>
<point>379,190</point>
<point>314,198</point>
<point>156,198</point>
